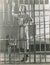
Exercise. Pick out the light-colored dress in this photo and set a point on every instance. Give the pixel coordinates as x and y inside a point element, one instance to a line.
<point>26,21</point>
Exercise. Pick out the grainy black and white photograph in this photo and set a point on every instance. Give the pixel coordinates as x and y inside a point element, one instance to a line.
<point>24,32</point>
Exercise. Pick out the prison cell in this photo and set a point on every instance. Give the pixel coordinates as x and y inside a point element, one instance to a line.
<point>25,31</point>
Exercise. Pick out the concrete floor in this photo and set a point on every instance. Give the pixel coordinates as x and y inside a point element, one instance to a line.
<point>32,59</point>
<point>23,64</point>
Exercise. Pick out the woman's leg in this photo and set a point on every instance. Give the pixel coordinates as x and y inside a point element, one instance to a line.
<point>26,45</point>
<point>27,37</point>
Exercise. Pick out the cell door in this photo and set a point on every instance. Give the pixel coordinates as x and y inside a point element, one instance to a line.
<point>25,31</point>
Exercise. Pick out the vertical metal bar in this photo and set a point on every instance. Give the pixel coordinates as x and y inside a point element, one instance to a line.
<point>29,30</point>
<point>19,27</point>
<point>49,21</point>
<point>44,27</point>
<point>14,48</point>
<point>34,35</point>
<point>39,32</point>
<point>24,41</point>
<point>10,52</point>
<point>29,41</point>
<point>3,10</point>
<point>33,14</point>
<point>10,12</point>
<point>13,39</point>
<point>19,43</point>
<point>5,19</point>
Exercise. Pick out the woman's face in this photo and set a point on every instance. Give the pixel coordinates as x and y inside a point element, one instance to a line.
<point>23,9</point>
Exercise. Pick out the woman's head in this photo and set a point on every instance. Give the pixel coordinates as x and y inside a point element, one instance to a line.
<point>23,9</point>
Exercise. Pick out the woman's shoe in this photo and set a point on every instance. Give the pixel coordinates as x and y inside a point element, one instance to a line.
<point>25,58</point>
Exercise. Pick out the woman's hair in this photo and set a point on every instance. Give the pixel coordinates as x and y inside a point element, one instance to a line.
<point>23,8</point>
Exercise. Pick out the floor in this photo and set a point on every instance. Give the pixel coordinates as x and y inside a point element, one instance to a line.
<point>16,58</point>
<point>23,64</point>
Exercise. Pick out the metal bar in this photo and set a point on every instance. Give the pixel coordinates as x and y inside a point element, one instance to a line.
<point>49,22</point>
<point>4,20</point>
<point>32,15</point>
<point>19,44</point>
<point>44,27</point>
<point>29,43</point>
<point>39,31</point>
<point>34,35</point>
<point>10,12</point>
<point>28,10</point>
<point>25,50</point>
<point>14,48</point>
<point>29,30</point>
